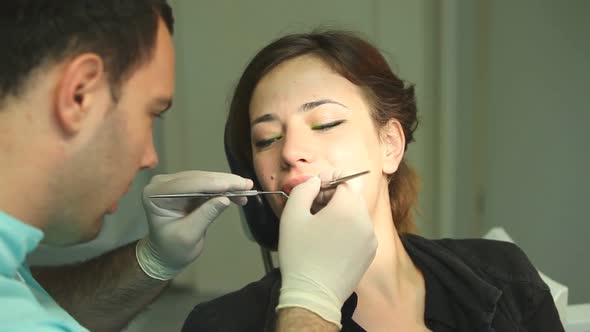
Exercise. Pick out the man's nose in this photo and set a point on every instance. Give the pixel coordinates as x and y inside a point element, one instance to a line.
<point>150,156</point>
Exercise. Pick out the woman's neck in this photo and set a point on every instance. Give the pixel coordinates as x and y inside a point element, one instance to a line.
<point>392,269</point>
<point>392,283</point>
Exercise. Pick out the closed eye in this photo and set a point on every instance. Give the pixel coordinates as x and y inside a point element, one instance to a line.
<point>266,142</point>
<point>328,125</point>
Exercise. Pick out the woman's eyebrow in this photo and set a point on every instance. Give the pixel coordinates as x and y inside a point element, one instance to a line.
<point>313,104</point>
<point>264,118</point>
<point>303,108</point>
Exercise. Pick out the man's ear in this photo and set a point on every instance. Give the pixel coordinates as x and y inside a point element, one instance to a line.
<point>79,89</point>
<point>393,144</point>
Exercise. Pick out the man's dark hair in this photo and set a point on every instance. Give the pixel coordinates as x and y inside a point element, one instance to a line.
<point>35,33</point>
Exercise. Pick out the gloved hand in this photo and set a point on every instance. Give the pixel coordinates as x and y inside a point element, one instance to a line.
<point>323,256</point>
<point>177,227</point>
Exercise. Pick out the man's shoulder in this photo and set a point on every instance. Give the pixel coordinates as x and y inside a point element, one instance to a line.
<point>21,311</point>
<point>246,309</point>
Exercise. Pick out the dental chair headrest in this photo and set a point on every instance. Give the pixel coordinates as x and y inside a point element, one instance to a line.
<point>262,223</point>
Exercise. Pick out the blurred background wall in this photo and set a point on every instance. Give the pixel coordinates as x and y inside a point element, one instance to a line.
<point>522,155</point>
<point>503,139</point>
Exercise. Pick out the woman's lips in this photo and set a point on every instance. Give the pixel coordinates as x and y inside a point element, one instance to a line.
<point>293,181</point>
<point>319,202</point>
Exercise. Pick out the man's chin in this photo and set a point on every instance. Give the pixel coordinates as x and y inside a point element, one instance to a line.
<point>65,237</point>
<point>95,230</point>
<point>92,232</point>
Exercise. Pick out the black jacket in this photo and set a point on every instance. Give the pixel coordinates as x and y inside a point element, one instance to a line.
<point>471,285</point>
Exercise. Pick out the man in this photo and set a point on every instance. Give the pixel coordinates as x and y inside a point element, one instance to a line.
<point>81,83</point>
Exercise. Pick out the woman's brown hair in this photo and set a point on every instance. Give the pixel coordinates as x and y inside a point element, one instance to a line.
<point>363,65</point>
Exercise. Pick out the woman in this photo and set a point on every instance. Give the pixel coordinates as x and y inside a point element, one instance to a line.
<point>326,104</point>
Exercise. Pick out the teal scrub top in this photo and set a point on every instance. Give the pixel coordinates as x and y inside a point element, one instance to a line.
<point>24,304</point>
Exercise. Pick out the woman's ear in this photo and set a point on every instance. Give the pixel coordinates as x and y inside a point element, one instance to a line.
<point>393,144</point>
<point>79,89</point>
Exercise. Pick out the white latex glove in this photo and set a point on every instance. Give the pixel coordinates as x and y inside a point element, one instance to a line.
<point>323,256</point>
<point>177,227</point>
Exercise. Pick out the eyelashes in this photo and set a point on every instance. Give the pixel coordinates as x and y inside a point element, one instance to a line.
<point>328,125</point>
<point>264,143</point>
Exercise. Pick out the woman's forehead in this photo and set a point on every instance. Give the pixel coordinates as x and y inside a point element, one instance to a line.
<point>298,81</point>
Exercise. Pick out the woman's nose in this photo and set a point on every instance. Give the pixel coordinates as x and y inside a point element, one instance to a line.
<point>298,147</point>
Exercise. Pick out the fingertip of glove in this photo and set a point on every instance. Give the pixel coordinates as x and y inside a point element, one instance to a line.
<point>314,178</point>
<point>241,201</point>
<point>223,201</point>
<point>312,181</point>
